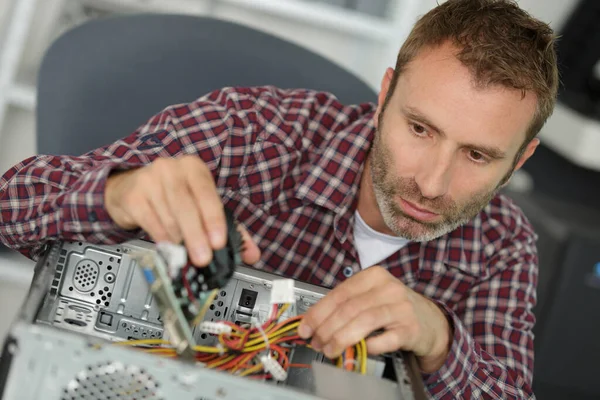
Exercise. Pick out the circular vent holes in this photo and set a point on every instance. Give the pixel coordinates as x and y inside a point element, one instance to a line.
<point>85,275</point>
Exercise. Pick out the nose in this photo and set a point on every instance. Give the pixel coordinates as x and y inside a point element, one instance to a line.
<point>435,173</point>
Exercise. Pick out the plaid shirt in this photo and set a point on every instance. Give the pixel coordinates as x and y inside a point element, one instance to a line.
<point>288,163</point>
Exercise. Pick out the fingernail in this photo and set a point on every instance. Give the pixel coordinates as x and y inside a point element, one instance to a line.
<point>216,238</point>
<point>328,351</point>
<point>304,331</point>
<point>201,254</point>
<point>316,345</point>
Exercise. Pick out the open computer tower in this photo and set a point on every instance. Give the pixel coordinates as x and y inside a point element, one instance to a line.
<point>85,297</point>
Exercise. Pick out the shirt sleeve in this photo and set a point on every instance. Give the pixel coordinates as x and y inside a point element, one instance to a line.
<point>491,356</point>
<point>46,198</point>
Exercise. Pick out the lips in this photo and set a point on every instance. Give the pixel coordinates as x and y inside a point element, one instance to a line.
<point>416,212</point>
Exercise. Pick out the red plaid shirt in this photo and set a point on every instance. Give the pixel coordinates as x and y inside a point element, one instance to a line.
<point>288,163</point>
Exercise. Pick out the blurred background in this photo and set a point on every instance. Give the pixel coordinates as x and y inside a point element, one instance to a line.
<point>558,189</point>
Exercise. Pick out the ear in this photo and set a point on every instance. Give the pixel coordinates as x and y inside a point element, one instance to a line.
<point>385,86</point>
<point>529,150</point>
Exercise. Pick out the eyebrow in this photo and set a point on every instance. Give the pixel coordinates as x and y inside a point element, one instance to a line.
<point>491,151</point>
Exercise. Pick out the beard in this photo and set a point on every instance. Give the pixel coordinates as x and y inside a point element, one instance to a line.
<point>388,187</point>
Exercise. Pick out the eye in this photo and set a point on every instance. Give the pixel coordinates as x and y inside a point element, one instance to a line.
<point>477,157</point>
<point>418,130</point>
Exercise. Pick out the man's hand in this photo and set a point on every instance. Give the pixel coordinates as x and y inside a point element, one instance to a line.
<point>174,200</point>
<point>374,299</point>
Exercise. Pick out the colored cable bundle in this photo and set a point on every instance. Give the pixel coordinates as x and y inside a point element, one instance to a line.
<point>261,351</point>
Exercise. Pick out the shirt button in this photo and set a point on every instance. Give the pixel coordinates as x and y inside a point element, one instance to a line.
<point>348,272</point>
<point>92,217</point>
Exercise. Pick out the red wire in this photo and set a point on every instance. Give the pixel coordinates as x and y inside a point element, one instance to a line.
<point>283,358</point>
<point>235,361</point>
<point>186,283</point>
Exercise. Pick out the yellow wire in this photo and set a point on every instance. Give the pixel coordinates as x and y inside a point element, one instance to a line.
<point>272,324</point>
<point>202,349</point>
<point>207,349</point>
<point>257,343</point>
<point>363,361</point>
<point>256,368</point>
<point>162,350</point>
<point>274,335</point>
<point>282,310</point>
<point>261,343</point>
<point>220,362</point>
<point>243,361</point>
<point>142,342</point>
<point>205,306</point>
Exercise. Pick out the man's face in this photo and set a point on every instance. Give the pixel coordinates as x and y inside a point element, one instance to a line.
<point>443,146</point>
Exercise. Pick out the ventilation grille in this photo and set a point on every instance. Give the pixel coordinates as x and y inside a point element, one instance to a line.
<point>112,380</point>
<point>60,266</point>
<point>86,275</point>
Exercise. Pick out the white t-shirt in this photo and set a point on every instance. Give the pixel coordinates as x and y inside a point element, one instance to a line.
<point>372,246</point>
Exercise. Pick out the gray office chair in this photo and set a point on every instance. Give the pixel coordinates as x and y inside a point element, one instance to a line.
<point>101,80</point>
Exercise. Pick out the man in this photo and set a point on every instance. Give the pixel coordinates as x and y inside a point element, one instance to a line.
<point>405,190</point>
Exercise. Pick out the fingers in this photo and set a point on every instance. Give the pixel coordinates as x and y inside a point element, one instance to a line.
<point>353,287</point>
<point>175,200</point>
<point>162,211</point>
<point>388,341</point>
<point>250,251</point>
<point>149,221</point>
<point>360,327</point>
<point>184,210</point>
<point>342,315</point>
<point>210,206</point>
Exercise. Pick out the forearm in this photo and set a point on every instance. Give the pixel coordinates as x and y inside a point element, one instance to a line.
<point>471,372</point>
<point>47,198</point>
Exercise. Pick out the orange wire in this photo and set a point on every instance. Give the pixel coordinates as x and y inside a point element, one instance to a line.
<point>349,362</point>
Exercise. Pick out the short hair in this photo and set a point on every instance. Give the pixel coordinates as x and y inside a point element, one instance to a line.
<point>500,43</point>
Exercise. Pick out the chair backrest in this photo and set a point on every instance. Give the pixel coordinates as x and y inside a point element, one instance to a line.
<point>100,81</point>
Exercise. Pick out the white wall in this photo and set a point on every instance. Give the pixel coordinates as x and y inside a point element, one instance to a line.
<point>366,59</point>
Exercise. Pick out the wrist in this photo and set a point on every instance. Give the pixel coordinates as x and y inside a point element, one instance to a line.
<point>444,334</point>
<point>112,201</point>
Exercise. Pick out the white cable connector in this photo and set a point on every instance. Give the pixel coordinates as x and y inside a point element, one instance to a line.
<point>283,292</point>
<point>175,256</point>
<point>274,368</point>
<point>215,328</point>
